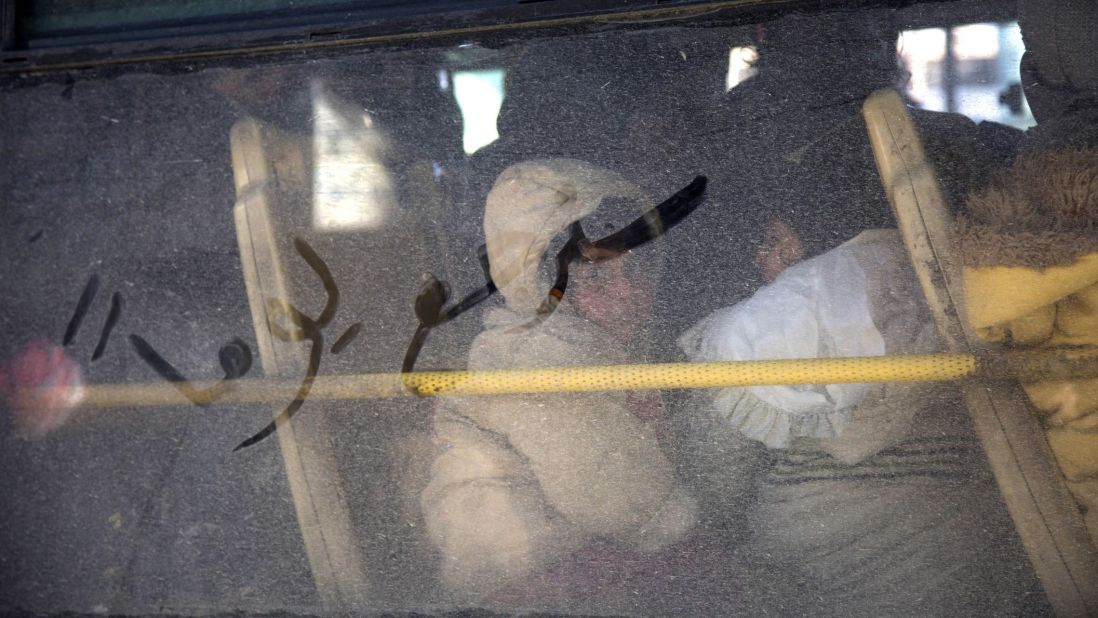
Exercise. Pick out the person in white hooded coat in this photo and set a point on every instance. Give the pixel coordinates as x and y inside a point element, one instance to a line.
<point>522,481</point>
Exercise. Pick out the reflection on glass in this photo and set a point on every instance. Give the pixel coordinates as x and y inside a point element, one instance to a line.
<point>741,66</point>
<point>479,94</point>
<point>352,189</point>
<point>970,69</point>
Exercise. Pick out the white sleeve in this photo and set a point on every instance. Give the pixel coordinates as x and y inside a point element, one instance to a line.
<point>485,514</point>
<point>818,308</point>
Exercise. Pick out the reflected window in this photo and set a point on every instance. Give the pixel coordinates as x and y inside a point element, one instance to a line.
<point>479,94</point>
<point>970,69</point>
<point>741,66</point>
<point>352,189</point>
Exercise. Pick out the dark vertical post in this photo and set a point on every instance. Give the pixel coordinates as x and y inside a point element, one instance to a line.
<point>949,71</point>
<point>7,25</point>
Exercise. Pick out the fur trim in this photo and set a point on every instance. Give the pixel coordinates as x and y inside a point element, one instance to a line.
<point>1042,212</point>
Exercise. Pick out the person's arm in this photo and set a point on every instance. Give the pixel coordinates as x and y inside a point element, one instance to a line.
<point>485,513</point>
<point>819,308</point>
<point>596,463</point>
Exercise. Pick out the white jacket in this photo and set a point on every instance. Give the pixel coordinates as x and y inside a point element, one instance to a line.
<point>859,299</point>
<point>521,481</point>
<point>875,497</point>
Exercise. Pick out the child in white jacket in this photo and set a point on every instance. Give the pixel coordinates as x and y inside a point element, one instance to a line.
<point>873,499</point>
<point>522,481</point>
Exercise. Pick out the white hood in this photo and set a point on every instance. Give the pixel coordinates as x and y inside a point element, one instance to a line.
<point>530,203</point>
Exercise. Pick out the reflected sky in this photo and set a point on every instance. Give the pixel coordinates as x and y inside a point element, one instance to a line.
<point>479,94</point>
<point>970,69</point>
<point>741,65</point>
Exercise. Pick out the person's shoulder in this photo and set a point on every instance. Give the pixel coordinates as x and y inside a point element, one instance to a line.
<point>836,262</point>
<point>512,340</point>
<point>991,136</point>
<point>963,152</point>
<point>878,252</point>
<point>887,238</point>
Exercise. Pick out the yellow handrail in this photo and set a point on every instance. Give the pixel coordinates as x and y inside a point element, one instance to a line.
<point>909,368</point>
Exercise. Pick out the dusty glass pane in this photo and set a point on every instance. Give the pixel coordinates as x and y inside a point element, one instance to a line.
<point>191,251</point>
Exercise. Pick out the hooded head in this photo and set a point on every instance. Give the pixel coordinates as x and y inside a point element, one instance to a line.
<point>530,205</point>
